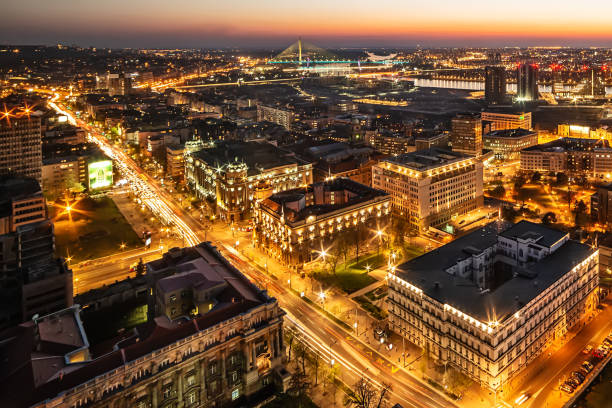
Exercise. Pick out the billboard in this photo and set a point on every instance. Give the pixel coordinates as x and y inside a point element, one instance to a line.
<point>100,174</point>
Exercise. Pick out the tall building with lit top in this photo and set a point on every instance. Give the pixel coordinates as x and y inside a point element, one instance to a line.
<point>466,134</point>
<point>527,83</point>
<point>20,144</point>
<point>490,302</point>
<point>495,85</point>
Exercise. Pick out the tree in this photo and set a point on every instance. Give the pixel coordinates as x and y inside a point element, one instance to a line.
<point>399,230</point>
<point>509,214</point>
<point>519,181</point>
<point>536,177</point>
<point>301,352</point>
<point>365,395</point>
<point>290,336</point>
<point>140,268</point>
<point>299,385</point>
<point>314,361</point>
<point>581,217</point>
<point>549,218</point>
<point>498,192</point>
<point>562,179</point>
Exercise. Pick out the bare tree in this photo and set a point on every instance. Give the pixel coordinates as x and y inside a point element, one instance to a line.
<point>365,395</point>
<point>290,335</point>
<point>314,360</point>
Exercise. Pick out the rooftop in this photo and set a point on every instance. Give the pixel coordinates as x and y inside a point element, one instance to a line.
<point>428,272</point>
<point>257,156</point>
<point>569,144</point>
<point>428,158</point>
<point>510,133</point>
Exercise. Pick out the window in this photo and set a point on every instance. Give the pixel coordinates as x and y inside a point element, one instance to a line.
<point>191,398</point>
<point>191,380</point>
<point>235,394</point>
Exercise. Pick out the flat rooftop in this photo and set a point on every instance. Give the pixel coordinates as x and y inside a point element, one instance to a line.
<point>428,272</point>
<point>510,133</point>
<point>569,144</point>
<point>428,159</point>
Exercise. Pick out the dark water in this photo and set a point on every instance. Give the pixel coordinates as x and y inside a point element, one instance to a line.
<point>599,395</point>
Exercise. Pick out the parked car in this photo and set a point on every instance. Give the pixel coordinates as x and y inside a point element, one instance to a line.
<point>588,366</point>
<point>587,349</point>
<point>573,382</point>
<point>584,371</point>
<point>567,388</point>
<point>578,376</point>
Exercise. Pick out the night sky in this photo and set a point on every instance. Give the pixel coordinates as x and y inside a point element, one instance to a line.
<point>329,23</point>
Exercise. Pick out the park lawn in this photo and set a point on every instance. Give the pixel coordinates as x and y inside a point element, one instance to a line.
<point>93,229</point>
<point>353,275</point>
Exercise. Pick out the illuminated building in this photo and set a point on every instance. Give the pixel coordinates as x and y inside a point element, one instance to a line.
<point>32,280</point>
<point>276,114</point>
<point>65,166</point>
<point>601,205</point>
<point>490,302</point>
<point>234,174</point>
<point>578,131</point>
<point>589,157</point>
<point>507,144</point>
<point>466,134</point>
<point>294,226</point>
<point>390,143</point>
<point>20,144</point>
<point>506,120</point>
<point>527,83</point>
<point>431,186</point>
<point>175,161</point>
<point>495,85</point>
<point>230,355</point>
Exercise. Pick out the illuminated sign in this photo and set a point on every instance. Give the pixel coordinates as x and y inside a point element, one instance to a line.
<point>100,174</point>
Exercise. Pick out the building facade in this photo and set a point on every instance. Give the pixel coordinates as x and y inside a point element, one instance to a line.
<point>507,144</point>
<point>21,146</point>
<point>389,143</point>
<point>495,85</point>
<point>230,355</point>
<point>503,120</point>
<point>589,157</point>
<point>175,161</point>
<point>295,226</point>
<point>234,175</point>
<point>466,134</point>
<point>490,302</point>
<point>527,83</point>
<point>429,187</point>
<point>276,114</point>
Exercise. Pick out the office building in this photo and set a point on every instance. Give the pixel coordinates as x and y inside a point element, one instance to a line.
<point>294,226</point>
<point>507,144</point>
<point>490,302</point>
<point>466,134</point>
<point>588,157</point>
<point>527,83</point>
<point>175,161</point>
<point>276,114</point>
<point>507,120</point>
<point>230,354</point>
<point>601,204</point>
<point>429,187</point>
<point>495,85</point>
<point>32,280</point>
<point>65,167</point>
<point>390,143</point>
<point>235,174</point>
<point>20,145</point>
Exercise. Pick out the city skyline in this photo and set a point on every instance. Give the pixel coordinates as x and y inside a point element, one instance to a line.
<point>273,24</point>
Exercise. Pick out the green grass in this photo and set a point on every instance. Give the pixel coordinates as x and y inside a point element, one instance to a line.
<point>353,275</point>
<point>94,228</point>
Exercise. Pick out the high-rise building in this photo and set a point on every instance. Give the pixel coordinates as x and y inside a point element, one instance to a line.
<point>495,85</point>
<point>466,134</point>
<point>20,144</point>
<point>429,187</point>
<point>32,280</point>
<point>527,83</point>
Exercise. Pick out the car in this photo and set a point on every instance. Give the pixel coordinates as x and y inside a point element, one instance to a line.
<point>578,376</point>
<point>584,371</point>
<point>587,349</point>
<point>522,398</point>
<point>587,366</point>
<point>601,352</point>
<point>572,382</point>
<point>567,388</point>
